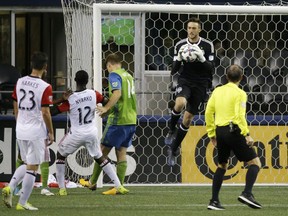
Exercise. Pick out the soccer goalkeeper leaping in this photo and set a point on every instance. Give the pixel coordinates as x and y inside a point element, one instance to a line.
<point>193,83</point>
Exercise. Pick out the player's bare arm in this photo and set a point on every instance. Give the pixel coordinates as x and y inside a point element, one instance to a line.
<point>249,140</point>
<point>102,110</point>
<point>15,108</point>
<point>105,101</point>
<point>213,141</point>
<point>48,122</point>
<point>64,97</point>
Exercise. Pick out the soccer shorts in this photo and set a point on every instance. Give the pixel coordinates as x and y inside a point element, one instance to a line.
<point>194,92</point>
<point>118,136</point>
<point>72,141</point>
<point>227,142</point>
<point>46,152</point>
<point>32,151</point>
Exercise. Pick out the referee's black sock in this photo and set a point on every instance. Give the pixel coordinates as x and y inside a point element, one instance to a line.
<point>217,183</point>
<point>181,133</point>
<point>251,177</point>
<point>174,119</point>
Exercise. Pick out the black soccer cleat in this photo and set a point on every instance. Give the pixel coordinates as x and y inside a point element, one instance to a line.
<point>170,137</point>
<point>171,157</point>
<point>248,199</point>
<point>215,205</point>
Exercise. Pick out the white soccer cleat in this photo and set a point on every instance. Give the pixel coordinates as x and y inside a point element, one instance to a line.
<point>46,192</point>
<point>27,206</point>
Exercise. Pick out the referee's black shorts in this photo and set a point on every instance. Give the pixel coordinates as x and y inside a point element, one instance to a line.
<point>227,142</point>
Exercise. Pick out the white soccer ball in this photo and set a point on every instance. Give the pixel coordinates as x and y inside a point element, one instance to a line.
<point>188,54</point>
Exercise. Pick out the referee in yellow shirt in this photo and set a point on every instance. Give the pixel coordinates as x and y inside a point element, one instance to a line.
<point>228,131</point>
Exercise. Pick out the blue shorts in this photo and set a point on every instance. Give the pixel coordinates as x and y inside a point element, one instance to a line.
<point>118,136</point>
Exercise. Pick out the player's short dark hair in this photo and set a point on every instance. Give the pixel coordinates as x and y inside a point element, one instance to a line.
<point>39,60</point>
<point>81,77</point>
<point>194,19</point>
<point>234,73</point>
<point>112,59</point>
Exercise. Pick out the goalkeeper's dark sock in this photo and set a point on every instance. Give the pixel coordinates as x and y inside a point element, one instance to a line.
<point>121,170</point>
<point>44,167</point>
<point>96,173</point>
<point>174,119</point>
<point>217,183</point>
<point>251,177</point>
<point>181,133</point>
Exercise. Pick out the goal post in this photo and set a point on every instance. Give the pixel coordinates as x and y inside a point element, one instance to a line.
<point>190,8</point>
<point>252,36</point>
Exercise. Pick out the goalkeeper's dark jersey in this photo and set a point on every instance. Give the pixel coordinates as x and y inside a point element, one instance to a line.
<point>195,70</point>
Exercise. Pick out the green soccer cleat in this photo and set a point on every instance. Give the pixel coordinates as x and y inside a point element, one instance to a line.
<point>27,206</point>
<point>122,190</point>
<point>7,194</point>
<point>62,192</point>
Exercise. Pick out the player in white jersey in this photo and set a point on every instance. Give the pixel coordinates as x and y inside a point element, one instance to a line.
<point>44,167</point>
<point>32,98</point>
<point>81,106</point>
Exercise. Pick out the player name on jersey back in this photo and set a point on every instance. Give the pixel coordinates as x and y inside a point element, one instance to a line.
<point>30,83</point>
<point>82,111</point>
<point>83,99</point>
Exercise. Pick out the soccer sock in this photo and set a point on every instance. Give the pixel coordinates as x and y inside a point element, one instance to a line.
<point>121,170</point>
<point>95,175</point>
<point>251,177</point>
<point>17,176</point>
<point>181,133</point>
<point>174,119</point>
<point>27,186</point>
<point>19,162</point>
<point>108,169</point>
<point>217,183</point>
<point>60,173</point>
<point>44,167</point>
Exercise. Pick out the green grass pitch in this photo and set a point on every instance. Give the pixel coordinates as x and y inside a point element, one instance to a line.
<point>154,200</point>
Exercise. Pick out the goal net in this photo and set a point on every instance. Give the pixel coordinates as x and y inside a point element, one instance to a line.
<point>255,37</point>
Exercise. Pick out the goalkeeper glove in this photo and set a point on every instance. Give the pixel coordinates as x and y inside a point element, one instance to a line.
<point>179,56</point>
<point>199,53</point>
